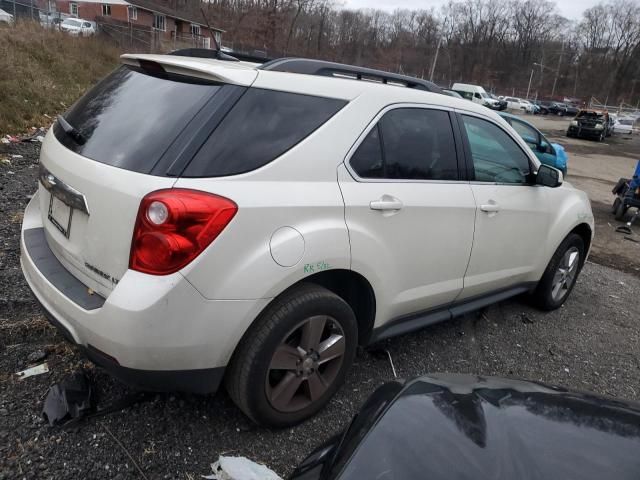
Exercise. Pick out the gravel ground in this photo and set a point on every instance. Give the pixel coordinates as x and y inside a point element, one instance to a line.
<point>592,343</point>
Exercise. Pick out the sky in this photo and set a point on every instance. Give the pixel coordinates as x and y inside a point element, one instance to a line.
<point>572,9</point>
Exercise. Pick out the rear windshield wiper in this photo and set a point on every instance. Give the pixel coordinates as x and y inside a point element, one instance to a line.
<point>70,130</point>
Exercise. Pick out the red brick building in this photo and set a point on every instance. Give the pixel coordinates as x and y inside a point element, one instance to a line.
<point>176,23</point>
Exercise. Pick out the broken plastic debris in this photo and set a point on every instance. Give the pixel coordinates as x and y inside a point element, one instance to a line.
<point>239,468</point>
<point>37,370</point>
<point>17,156</point>
<point>71,398</point>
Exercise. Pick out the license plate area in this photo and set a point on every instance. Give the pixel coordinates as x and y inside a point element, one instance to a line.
<point>60,214</point>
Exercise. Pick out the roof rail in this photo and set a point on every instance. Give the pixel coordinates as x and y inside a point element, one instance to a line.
<point>330,69</point>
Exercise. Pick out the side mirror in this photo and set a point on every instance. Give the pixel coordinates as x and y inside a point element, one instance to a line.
<point>548,176</point>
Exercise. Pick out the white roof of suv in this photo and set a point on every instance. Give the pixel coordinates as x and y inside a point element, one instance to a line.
<point>341,87</point>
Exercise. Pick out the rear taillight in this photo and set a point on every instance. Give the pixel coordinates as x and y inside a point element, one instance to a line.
<point>174,226</point>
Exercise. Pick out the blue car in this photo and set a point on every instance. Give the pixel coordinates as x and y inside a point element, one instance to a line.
<point>548,153</point>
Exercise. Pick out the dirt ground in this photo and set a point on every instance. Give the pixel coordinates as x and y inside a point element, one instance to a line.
<point>595,168</point>
<point>592,343</point>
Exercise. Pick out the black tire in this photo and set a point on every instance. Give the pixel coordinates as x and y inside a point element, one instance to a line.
<point>248,378</point>
<point>620,211</point>
<point>543,295</point>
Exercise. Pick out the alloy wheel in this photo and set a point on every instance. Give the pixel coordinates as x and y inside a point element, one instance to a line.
<point>305,364</point>
<point>566,274</point>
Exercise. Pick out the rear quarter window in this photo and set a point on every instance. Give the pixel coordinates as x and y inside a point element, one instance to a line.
<point>262,126</point>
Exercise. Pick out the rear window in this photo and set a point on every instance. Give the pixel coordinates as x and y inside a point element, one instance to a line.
<point>263,125</point>
<point>130,118</point>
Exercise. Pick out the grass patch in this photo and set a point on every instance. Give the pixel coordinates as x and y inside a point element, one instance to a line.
<point>44,71</point>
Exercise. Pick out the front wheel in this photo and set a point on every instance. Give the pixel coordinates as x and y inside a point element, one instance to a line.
<point>561,274</point>
<point>296,356</point>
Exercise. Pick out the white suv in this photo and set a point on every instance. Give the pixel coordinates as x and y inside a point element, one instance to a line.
<point>200,219</point>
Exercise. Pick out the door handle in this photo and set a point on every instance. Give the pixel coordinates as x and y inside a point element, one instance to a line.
<point>386,202</point>
<point>490,207</point>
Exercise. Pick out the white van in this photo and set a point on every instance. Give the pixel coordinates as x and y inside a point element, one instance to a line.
<point>476,94</point>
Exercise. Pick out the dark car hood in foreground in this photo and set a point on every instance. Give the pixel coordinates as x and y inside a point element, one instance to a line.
<point>472,428</point>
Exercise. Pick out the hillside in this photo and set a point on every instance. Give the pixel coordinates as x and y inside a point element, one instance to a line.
<point>44,72</point>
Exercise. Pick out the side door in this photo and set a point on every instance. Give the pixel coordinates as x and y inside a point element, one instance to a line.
<point>513,215</point>
<point>409,213</point>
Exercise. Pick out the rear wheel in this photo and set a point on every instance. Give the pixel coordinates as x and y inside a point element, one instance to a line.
<point>561,274</point>
<point>294,358</point>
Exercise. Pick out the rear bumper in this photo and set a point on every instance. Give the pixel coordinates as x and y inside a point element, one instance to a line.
<point>200,381</point>
<point>154,332</point>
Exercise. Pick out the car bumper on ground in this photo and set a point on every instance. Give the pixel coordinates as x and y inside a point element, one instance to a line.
<point>165,337</point>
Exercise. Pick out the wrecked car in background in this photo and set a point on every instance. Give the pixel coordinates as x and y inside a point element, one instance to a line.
<point>594,124</point>
<point>443,427</point>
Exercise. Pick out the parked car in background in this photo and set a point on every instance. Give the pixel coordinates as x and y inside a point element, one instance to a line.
<point>623,126</point>
<point>571,110</point>
<point>563,109</point>
<point>502,105</point>
<point>593,124</point>
<point>528,106</point>
<point>265,229</point>
<point>551,154</point>
<point>78,27</point>
<point>5,17</point>
<point>476,94</point>
<point>514,103</point>
<point>452,93</point>
<point>543,106</point>
<point>447,426</point>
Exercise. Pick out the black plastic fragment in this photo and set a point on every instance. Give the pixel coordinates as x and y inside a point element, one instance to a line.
<point>72,398</point>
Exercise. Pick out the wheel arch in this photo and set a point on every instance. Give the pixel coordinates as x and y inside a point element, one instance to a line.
<point>585,232</point>
<point>349,285</point>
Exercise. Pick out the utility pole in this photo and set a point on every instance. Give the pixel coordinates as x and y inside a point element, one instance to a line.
<point>529,87</point>
<point>435,59</point>
<point>555,80</point>
<point>15,19</point>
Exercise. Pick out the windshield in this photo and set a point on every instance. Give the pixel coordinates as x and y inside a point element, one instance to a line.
<point>484,95</point>
<point>72,23</point>
<point>625,121</point>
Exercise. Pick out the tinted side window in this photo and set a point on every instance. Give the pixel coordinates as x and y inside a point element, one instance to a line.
<point>419,145</point>
<point>263,125</point>
<point>367,161</point>
<point>528,133</point>
<point>496,157</point>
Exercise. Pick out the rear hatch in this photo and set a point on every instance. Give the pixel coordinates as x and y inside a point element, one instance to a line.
<point>115,145</point>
